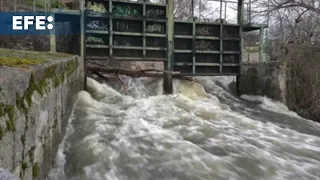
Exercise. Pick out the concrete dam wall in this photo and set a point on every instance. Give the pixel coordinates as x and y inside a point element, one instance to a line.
<point>35,105</point>
<point>266,79</point>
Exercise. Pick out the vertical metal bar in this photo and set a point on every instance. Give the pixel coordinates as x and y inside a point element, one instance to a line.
<point>268,19</point>
<point>82,27</point>
<point>225,11</point>
<point>240,23</point>
<point>34,5</point>
<point>144,28</point>
<point>199,9</point>
<point>238,85</point>
<point>82,37</point>
<point>221,37</point>
<point>192,10</point>
<point>249,11</point>
<point>170,34</point>
<point>52,32</point>
<point>110,32</point>
<point>220,10</point>
<point>167,80</point>
<point>193,47</point>
<point>45,6</point>
<point>15,5</point>
<point>261,48</point>
<point>268,14</point>
<point>193,36</point>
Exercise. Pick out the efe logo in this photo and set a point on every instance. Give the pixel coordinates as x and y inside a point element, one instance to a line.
<point>23,22</point>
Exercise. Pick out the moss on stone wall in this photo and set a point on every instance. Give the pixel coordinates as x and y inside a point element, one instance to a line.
<point>12,62</point>
<point>41,82</point>
<point>9,111</point>
<point>40,85</point>
<point>35,170</point>
<point>24,102</point>
<point>12,57</point>
<point>24,165</point>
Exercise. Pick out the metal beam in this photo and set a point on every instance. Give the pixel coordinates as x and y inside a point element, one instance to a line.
<point>53,44</point>
<point>234,2</point>
<point>82,41</point>
<point>240,22</point>
<point>167,81</point>
<point>261,44</point>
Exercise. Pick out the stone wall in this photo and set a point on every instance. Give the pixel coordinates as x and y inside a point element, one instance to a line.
<point>266,79</point>
<point>35,105</point>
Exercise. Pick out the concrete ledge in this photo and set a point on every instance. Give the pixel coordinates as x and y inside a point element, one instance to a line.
<point>35,104</point>
<point>265,78</point>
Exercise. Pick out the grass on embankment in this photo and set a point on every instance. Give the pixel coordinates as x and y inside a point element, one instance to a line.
<point>14,58</point>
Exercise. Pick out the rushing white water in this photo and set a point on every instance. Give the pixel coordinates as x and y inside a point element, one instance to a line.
<point>200,132</point>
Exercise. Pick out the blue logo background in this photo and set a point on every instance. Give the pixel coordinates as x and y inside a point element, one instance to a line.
<point>63,24</point>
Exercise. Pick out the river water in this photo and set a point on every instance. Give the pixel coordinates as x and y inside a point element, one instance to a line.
<point>202,132</point>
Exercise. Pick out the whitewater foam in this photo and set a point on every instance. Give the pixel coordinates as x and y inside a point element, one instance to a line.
<point>270,104</point>
<point>188,135</point>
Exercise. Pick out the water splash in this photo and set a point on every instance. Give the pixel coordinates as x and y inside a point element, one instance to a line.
<point>192,134</point>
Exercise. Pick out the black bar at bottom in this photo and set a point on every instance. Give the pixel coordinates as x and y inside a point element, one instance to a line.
<point>167,83</point>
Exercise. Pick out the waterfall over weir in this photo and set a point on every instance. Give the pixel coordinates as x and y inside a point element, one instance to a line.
<point>201,132</point>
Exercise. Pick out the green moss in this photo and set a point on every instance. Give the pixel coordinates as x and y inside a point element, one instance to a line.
<point>10,126</point>
<point>12,62</point>
<point>20,104</point>
<point>1,132</point>
<point>63,77</point>
<point>8,110</point>
<point>57,81</point>
<point>24,165</point>
<point>41,87</point>
<point>24,102</point>
<point>35,170</point>
<point>71,67</point>
<point>13,58</point>
<point>50,71</point>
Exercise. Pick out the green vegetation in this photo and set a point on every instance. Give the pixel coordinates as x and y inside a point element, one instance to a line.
<point>35,170</point>
<point>41,84</point>
<point>24,165</point>
<point>24,101</point>
<point>13,58</point>
<point>8,110</point>
<point>18,62</point>
<point>34,86</point>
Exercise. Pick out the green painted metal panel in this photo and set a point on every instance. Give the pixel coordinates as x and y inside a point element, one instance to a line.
<point>143,31</point>
<point>125,29</point>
